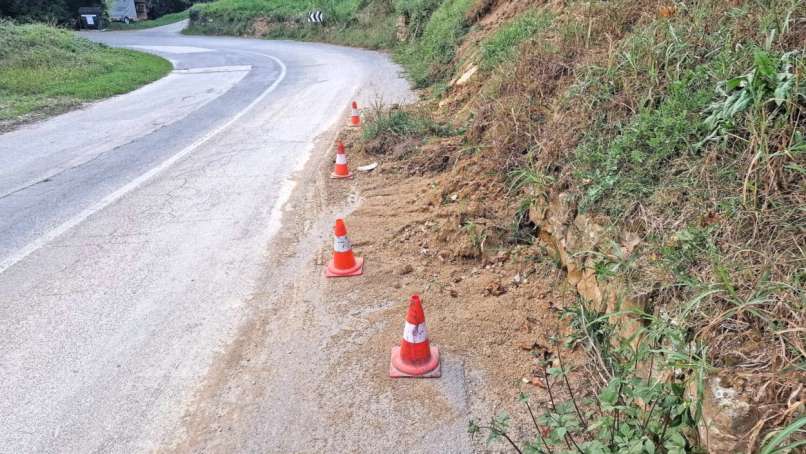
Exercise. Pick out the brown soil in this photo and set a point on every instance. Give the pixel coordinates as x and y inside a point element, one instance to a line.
<point>497,307</point>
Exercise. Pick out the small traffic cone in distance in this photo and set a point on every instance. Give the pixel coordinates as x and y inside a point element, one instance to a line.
<point>344,263</point>
<point>355,118</point>
<point>416,357</point>
<point>341,171</point>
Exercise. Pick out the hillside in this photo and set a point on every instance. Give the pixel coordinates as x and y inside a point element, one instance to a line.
<point>646,160</point>
<point>46,70</point>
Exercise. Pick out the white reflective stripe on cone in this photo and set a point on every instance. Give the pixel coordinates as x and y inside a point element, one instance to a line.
<point>415,334</point>
<point>341,244</point>
<point>355,113</point>
<point>341,158</point>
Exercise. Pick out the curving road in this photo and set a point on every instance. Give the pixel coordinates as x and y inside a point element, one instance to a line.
<point>132,231</point>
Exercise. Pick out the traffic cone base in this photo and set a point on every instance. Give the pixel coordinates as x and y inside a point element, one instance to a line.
<point>429,369</point>
<point>349,176</point>
<point>356,270</point>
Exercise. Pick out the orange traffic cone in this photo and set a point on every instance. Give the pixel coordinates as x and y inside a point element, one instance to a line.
<point>341,170</point>
<point>415,357</point>
<point>355,119</point>
<point>343,263</point>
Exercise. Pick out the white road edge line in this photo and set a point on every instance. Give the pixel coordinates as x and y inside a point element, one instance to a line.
<point>51,235</point>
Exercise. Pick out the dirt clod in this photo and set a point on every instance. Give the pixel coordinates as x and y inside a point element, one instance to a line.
<point>495,288</point>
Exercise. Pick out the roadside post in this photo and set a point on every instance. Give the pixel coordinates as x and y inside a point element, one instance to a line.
<point>316,17</point>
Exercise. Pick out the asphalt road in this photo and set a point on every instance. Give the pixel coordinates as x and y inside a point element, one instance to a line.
<point>132,231</point>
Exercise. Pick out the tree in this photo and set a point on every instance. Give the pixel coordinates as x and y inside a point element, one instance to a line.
<point>157,8</point>
<point>58,11</point>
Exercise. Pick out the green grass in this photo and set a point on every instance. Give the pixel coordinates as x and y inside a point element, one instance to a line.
<point>429,59</point>
<point>159,22</point>
<point>503,44</point>
<point>401,123</point>
<point>46,70</point>
<point>628,166</point>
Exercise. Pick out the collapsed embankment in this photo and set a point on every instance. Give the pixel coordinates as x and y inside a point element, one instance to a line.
<point>644,160</point>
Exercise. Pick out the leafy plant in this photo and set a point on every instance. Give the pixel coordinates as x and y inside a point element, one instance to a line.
<point>773,445</point>
<point>642,404</point>
<point>497,428</point>
<point>768,84</point>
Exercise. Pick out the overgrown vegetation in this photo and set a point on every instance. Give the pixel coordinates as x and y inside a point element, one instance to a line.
<point>159,8</point>
<point>46,70</point>
<point>635,409</point>
<point>696,148</point>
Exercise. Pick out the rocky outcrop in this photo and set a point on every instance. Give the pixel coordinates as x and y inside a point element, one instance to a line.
<point>402,29</point>
<point>728,417</point>
<point>576,240</point>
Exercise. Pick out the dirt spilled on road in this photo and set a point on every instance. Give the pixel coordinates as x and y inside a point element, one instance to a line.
<point>309,369</point>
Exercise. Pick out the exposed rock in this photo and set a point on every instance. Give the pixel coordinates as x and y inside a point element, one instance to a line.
<point>402,29</point>
<point>571,236</point>
<point>465,78</point>
<point>588,287</point>
<point>629,241</point>
<point>727,417</point>
<point>495,288</point>
<point>585,234</point>
<point>405,269</point>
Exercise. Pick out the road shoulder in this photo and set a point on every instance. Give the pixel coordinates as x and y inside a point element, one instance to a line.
<point>308,369</point>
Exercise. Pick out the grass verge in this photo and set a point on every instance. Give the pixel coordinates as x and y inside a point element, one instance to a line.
<point>46,70</point>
